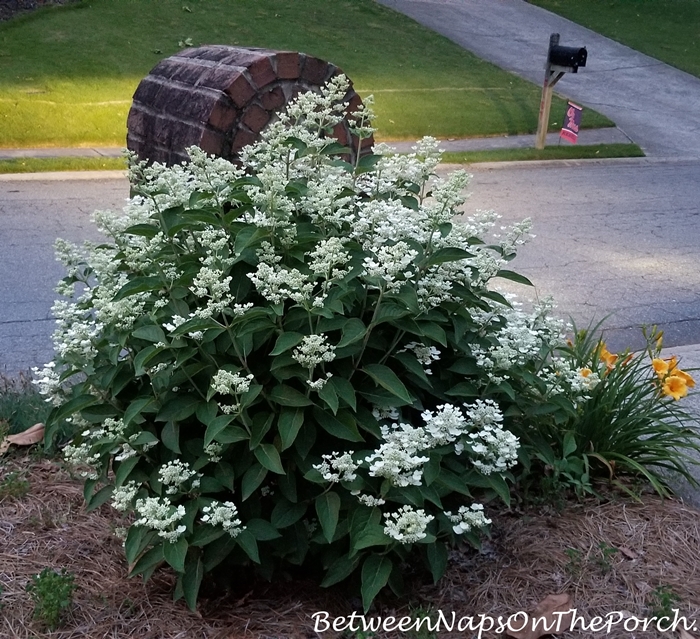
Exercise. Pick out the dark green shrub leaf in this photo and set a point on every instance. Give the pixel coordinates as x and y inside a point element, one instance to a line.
<point>288,396</point>
<point>514,277</point>
<point>340,569</point>
<point>269,457</point>
<point>375,575</point>
<point>285,513</point>
<point>342,425</point>
<point>288,426</point>
<point>328,510</point>
<point>437,560</point>
<point>175,553</point>
<point>387,379</point>
<point>253,477</point>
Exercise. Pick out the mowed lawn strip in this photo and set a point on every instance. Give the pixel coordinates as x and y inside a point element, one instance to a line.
<point>67,74</point>
<point>668,30</point>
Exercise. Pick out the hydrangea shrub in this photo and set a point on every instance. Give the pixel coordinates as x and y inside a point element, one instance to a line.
<point>298,360</point>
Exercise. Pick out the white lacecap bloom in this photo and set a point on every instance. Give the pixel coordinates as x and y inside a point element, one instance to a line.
<point>328,254</point>
<point>318,384</point>
<point>369,500</point>
<point>161,515</point>
<point>493,449</point>
<point>391,264</point>
<point>225,515</point>
<point>407,525</point>
<point>381,414</point>
<point>213,450</point>
<point>425,355</point>
<point>227,383</point>
<point>123,496</point>
<point>397,459</point>
<point>176,473</point>
<point>337,467</point>
<point>445,425</point>
<point>468,518</point>
<point>314,350</point>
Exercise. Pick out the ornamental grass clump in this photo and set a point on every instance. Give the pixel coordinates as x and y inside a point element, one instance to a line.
<point>298,361</point>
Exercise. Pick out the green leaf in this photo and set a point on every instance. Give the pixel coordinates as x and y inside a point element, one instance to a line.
<point>262,530</point>
<point>288,396</point>
<point>124,469</point>
<point>448,254</point>
<point>138,285</point>
<point>262,423</point>
<point>387,379</point>
<point>285,513</point>
<point>375,575</point>
<point>253,477</point>
<point>144,437</point>
<point>344,389</point>
<point>175,554</point>
<point>514,277</point>
<point>569,446</point>
<point>135,542</point>
<point>248,543</point>
<point>192,580</point>
<point>353,330</point>
<point>465,366</point>
<point>286,341</point>
<point>207,412</point>
<point>437,559</point>
<point>170,436</point>
<point>204,535</point>
<point>99,498</point>
<point>136,408</point>
<point>340,569</point>
<point>219,425</point>
<point>179,408</point>
<point>288,425</point>
<point>342,425</point>
<point>500,487</point>
<point>328,511</point>
<point>151,333</point>
<point>269,457</point>
<point>329,396</point>
<point>372,535</point>
<point>148,561</point>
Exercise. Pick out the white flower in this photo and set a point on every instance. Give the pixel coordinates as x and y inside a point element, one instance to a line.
<point>341,463</point>
<point>161,515</point>
<point>407,525</point>
<point>396,459</point>
<point>224,515</point>
<point>467,519</point>
<point>175,473</point>
<point>213,451</point>
<point>227,383</point>
<point>445,425</point>
<point>313,350</point>
<point>425,355</point>
<point>123,496</point>
<point>493,449</point>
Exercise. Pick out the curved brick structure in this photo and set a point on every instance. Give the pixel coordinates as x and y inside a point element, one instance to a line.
<point>220,98</point>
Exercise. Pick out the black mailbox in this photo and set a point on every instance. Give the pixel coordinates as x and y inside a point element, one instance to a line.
<point>567,58</point>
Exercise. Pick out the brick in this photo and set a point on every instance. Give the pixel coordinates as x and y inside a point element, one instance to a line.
<point>213,53</point>
<point>223,115</point>
<point>139,121</point>
<point>255,118</point>
<point>341,133</point>
<point>272,99</point>
<point>245,56</point>
<point>243,137</point>
<point>240,90</point>
<point>261,72</point>
<point>288,65</point>
<point>314,70</point>
<point>212,142</point>
<point>190,72</point>
<point>147,90</point>
<point>219,77</point>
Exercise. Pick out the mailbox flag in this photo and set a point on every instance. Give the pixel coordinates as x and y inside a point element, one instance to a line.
<point>572,122</point>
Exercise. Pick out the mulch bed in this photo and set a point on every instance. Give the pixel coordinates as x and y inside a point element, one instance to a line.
<point>608,556</point>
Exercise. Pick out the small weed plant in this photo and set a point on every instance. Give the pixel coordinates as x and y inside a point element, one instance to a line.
<point>52,594</point>
<point>14,485</point>
<point>662,601</point>
<point>301,361</point>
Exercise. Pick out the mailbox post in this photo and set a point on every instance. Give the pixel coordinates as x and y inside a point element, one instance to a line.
<point>560,60</point>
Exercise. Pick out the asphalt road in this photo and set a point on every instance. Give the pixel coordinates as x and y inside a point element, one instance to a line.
<point>616,237</point>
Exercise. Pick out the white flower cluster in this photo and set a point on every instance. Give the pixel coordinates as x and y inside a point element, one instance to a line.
<point>314,350</point>
<point>224,515</point>
<point>227,383</point>
<point>48,382</point>
<point>407,525</point>
<point>213,451</point>
<point>425,355</point>
<point>123,496</point>
<point>445,425</point>
<point>161,515</point>
<point>467,519</point>
<point>397,459</point>
<point>176,473</point>
<point>337,467</point>
<point>493,449</point>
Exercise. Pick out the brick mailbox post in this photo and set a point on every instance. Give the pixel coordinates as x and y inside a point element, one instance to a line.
<point>220,98</point>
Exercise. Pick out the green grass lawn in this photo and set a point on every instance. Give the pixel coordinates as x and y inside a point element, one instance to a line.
<point>665,29</point>
<point>67,73</point>
<point>564,152</point>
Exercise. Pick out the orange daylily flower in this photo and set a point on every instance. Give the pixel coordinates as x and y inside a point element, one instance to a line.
<point>686,377</point>
<point>675,386</point>
<point>607,357</point>
<point>660,367</point>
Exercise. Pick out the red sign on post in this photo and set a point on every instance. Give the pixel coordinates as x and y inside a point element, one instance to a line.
<point>572,122</point>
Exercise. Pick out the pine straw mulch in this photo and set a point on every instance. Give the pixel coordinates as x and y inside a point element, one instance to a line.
<point>528,557</point>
